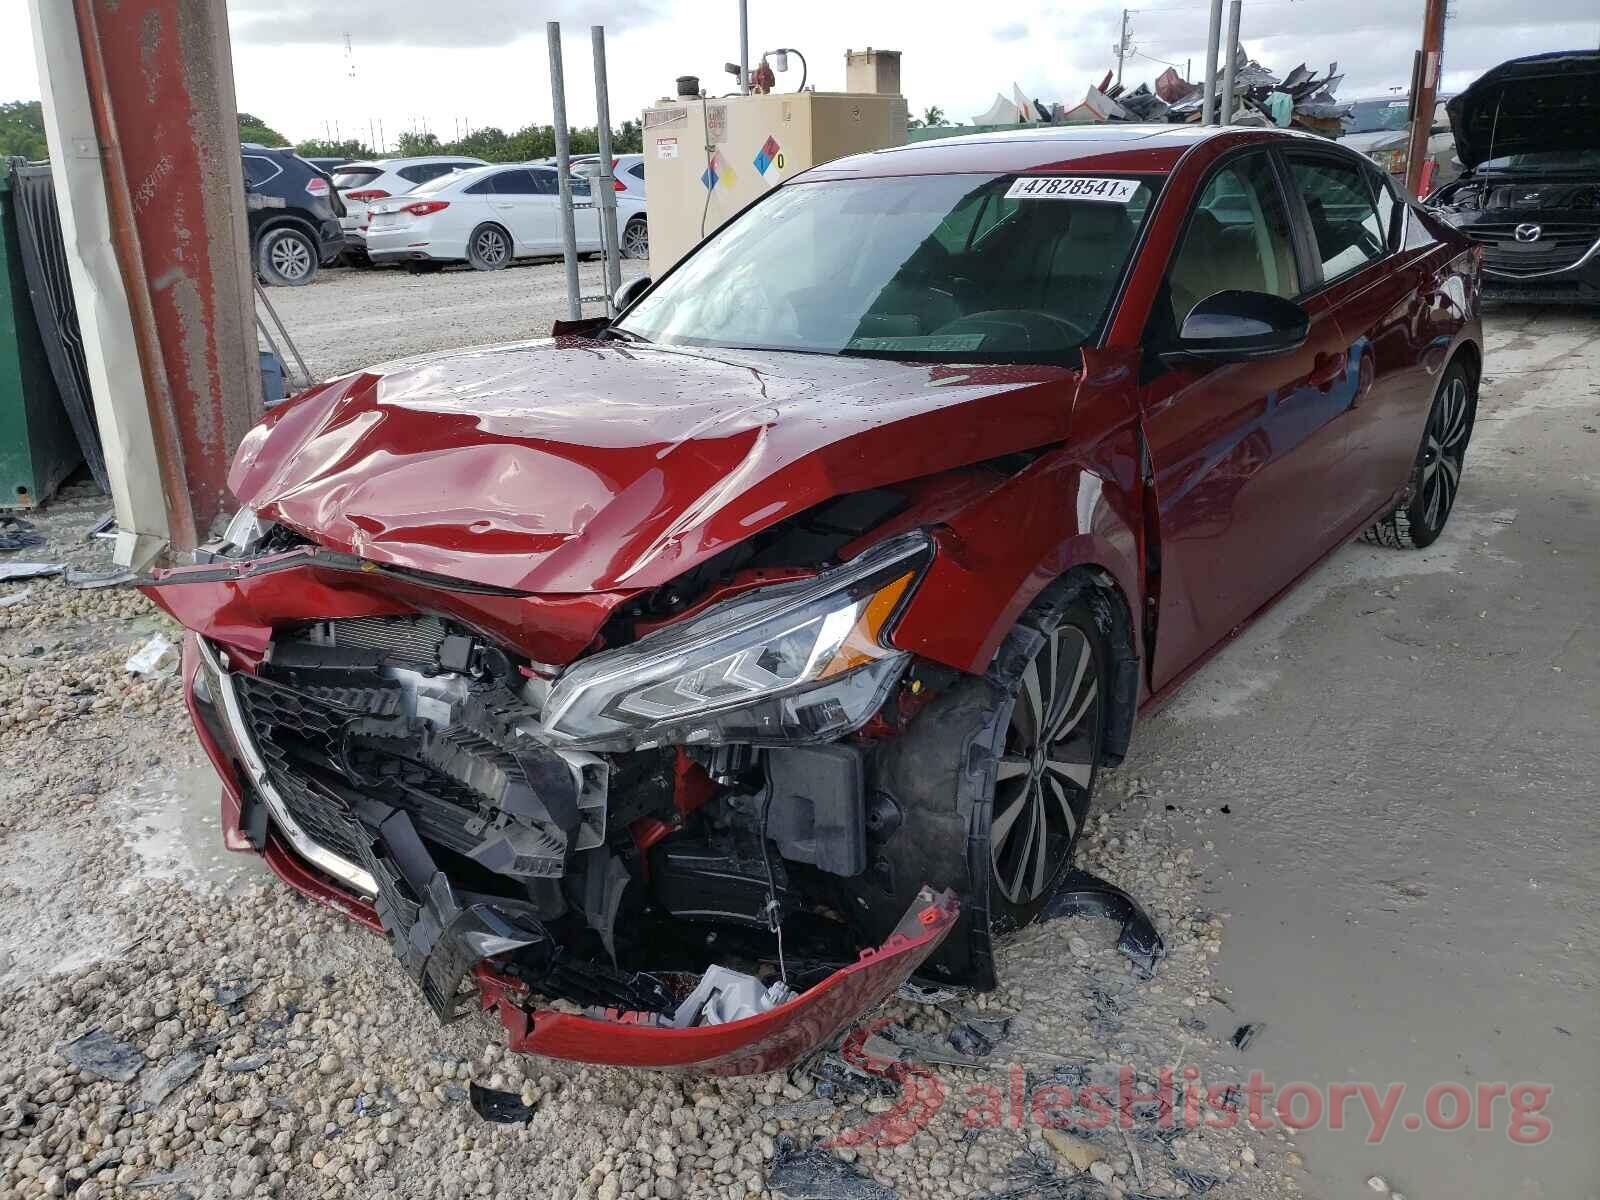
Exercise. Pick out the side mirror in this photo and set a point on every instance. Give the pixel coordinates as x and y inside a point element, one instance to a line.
<point>630,291</point>
<point>1238,326</point>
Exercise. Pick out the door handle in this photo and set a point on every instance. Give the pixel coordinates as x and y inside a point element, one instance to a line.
<point>1325,369</point>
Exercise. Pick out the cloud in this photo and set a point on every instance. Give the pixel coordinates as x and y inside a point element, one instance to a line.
<point>441,23</point>
<point>1011,33</point>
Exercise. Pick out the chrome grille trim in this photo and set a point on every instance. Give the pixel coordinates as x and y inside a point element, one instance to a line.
<point>244,743</point>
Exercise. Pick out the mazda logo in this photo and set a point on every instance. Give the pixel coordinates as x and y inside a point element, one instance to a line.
<point>1528,233</point>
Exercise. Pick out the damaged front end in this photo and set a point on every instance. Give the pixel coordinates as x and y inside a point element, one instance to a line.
<point>665,836</point>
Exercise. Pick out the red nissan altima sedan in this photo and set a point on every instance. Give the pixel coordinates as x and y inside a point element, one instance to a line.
<point>719,667</point>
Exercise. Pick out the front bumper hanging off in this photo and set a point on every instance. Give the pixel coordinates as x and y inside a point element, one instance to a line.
<point>449,940</point>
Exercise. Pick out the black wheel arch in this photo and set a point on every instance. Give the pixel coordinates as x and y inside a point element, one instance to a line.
<point>282,220</point>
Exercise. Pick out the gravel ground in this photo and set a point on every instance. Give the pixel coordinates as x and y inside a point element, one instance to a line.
<point>300,1063</point>
<point>350,318</point>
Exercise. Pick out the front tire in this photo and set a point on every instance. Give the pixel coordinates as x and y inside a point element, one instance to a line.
<point>489,248</point>
<point>286,257</point>
<point>950,782</point>
<point>1052,671</point>
<point>1419,518</point>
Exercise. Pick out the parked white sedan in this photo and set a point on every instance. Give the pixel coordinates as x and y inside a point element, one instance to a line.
<point>362,183</point>
<point>486,217</point>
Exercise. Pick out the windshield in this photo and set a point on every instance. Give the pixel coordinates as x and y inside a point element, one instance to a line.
<point>962,268</point>
<point>1545,160</point>
<point>439,182</point>
<point>1377,116</point>
<point>353,177</point>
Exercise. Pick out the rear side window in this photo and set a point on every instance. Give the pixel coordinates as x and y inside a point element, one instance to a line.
<point>422,172</point>
<point>353,177</point>
<point>258,169</point>
<point>637,170</point>
<point>514,183</point>
<point>1239,238</point>
<point>1345,222</point>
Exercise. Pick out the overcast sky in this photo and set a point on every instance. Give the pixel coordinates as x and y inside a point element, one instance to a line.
<point>442,64</point>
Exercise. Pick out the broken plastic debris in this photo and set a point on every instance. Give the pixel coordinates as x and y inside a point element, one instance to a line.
<point>506,1108</point>
<point>229,994</point>
<point>115,577</point>
<point>17,534</point>
<point>253,1062</point>
<point>817,1175</point>
<point>178,1070</point>
<point>15,598</point>
<point>98,1053</point>
<point>27,570</point>
<point>1245,1034</point>
<point>156,657</point>
<point>896,1043</point>
<point>1198,1182</point>
<point>723,995</point>
<point>1082,893</point>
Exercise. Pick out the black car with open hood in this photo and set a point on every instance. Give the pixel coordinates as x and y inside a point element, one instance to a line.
<point>1528,132</point>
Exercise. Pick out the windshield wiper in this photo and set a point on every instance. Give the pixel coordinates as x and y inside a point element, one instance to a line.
<point>624,335</point>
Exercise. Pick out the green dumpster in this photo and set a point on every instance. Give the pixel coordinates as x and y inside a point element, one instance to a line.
<point>37,446</point>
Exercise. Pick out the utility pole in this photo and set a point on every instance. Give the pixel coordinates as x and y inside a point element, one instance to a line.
<point>1425,94</point>
<point>1232,64</point>
<point>744,46</point>
<point>1208,96</point>
<point>1122,45</point>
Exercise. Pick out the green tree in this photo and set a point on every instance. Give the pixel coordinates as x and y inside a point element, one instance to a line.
<point>629,139</point>
<point>349,148</point>
<point>411,143</point>
<point>22,130</point>
<point>254,129</point>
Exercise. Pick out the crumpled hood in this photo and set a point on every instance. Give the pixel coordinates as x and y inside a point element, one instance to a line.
<point>573,465</point>
<point>1545,102</point>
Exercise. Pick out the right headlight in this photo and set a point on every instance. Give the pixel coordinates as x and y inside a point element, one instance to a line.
<point>794,662</point>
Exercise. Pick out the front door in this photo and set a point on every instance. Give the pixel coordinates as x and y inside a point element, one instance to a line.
<point>1244,457</point>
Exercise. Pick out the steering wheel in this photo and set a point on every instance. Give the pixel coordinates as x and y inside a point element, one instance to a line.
<point>1034,330</point>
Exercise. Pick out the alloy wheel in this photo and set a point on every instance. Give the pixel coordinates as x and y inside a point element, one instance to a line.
<point>291,257</point>
<point>491,247</point>
<point>1444,447</point>
<point>636,240</point>
<point>1043,778</point>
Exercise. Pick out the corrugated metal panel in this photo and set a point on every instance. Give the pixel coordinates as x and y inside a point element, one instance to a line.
<point>44,261</point>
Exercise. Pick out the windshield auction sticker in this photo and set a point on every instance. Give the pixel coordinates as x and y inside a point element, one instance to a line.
<point>1072,187</point>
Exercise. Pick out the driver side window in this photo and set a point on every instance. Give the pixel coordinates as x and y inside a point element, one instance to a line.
<point>1239,238</point>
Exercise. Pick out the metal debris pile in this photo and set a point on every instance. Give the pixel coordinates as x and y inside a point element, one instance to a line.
<point>1299,100</point>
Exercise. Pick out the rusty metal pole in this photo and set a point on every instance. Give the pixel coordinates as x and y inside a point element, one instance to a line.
<point>1425,95</point>
<point>168,140</point>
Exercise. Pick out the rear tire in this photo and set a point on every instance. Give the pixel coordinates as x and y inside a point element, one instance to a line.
<point>636,239</point>
<point>489,248</point>
<point>286,257</point>
<point>1419,518</point>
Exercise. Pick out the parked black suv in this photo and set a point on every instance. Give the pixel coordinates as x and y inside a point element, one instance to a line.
<point>294,215</point>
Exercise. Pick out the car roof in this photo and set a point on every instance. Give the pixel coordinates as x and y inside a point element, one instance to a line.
<point>387,163</point>
<point>1119,147</point>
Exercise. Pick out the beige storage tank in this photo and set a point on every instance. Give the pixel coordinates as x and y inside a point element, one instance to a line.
<point>704,160</point>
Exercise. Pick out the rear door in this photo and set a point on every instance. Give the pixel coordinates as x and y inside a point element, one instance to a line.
<point>1353,224</point>
<point>1245,456</point>
<point>523,209</point>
